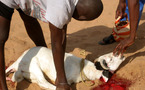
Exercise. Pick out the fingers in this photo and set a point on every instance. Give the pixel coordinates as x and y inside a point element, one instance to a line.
<point>125,15</point>
<point>123,52</point>
<point>115,50</point>
<point>118,13</point>
<point>120,49</point>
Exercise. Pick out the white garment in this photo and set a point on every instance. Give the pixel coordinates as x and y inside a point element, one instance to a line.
<point>57,12</point>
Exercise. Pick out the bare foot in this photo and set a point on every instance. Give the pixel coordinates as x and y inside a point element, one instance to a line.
<point>63,86</point>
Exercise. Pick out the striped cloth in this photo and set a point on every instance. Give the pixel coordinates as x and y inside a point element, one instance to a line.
<point>121,30</point>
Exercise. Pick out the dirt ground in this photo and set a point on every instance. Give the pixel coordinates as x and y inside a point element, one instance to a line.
<point>84,35</point>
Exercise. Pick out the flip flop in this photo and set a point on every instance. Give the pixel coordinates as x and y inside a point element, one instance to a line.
<point>107,40</point>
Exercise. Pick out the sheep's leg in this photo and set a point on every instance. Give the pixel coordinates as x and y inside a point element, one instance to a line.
<point>40,79</point>
<point>8,73</point>
<point>11,71</point>
<point>17,76</point>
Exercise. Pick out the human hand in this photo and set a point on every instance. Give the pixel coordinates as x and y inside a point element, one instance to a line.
<point>122,46</point>
<point>120,11</point>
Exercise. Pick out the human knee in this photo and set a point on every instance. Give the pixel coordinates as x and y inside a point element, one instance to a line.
<point>4,33</point>
<point>3,39</point>
<point>88,9</point>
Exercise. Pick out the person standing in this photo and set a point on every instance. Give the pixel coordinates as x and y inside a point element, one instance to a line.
<point>57,13</point>
<point>111,39</point>
<point>133,6</point>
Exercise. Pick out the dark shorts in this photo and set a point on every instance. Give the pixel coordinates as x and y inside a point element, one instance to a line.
<point>6,11</point>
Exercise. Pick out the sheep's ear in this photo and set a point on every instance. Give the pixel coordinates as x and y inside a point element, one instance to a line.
<point>98,66</point>
<point>101,65</point>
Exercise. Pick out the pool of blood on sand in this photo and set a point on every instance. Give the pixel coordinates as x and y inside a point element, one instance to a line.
<point>115,83</point>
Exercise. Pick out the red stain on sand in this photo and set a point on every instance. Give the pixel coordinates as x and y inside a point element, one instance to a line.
<point>10,83</point>
<point>114,83</point>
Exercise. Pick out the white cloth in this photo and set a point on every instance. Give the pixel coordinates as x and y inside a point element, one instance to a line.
<point>57,12</point>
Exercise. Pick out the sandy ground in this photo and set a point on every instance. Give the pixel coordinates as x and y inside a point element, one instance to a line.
<point>84,35</point>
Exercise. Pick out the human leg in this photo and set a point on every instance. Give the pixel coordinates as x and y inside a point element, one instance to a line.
<point>4,30</point>
<point>33,28</point>
<point>141,5</point>
<point>5,18</point>
<point>110,39</point>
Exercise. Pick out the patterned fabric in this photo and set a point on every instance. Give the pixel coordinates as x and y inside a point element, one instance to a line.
<point>121,32</point>
<point>57,12</point>
<point>121,29</point>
